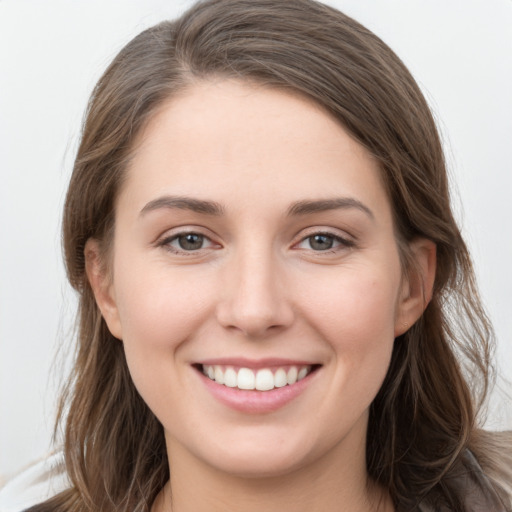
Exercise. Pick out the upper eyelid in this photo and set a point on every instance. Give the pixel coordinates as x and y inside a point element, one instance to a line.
<point>165,242</point>
<point>345,242</point>
<point>323,230</point>
<point>343,238</point>
<point>171,238</point>
<point>184,230</point>
<point>304,233</point>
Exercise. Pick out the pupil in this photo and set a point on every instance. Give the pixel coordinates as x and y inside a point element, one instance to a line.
<point>191,241</point>
<point>321,242</point>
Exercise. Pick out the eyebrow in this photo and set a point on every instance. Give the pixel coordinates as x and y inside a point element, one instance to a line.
<point>184,203</point>
<point>322,205</point>
<point>213,208</point>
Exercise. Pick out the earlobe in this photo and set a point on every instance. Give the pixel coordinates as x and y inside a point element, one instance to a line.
<point>418,285</point>
<point>102,287</point>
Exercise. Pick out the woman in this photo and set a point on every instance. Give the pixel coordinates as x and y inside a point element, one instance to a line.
<point>259,228</point>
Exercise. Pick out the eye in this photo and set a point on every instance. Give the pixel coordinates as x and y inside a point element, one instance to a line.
<point>320,242</point>
<point>324,242</point>
<point>186,242</point>
<point>190,241</point>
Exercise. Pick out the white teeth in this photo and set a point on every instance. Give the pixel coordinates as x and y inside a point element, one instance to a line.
<point>291,376</point>
<point>302,373</point>
<point>280,378</point>
<point>230,378</point>
<point>246,379</point>
<point>219,375</point>
<point>263,379</point>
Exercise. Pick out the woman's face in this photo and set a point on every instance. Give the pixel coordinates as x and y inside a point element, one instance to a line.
<point>254,243</point>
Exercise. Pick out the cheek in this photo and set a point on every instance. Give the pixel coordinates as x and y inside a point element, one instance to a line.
<point>355,315</point>
<point>355,306</point>
<point>159,310</point>
<point>157,304</point>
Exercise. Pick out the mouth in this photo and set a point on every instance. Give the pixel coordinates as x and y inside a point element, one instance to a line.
<point>263,378</point>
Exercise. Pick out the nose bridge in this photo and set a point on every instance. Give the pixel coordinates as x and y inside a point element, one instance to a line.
<point>254,299</point>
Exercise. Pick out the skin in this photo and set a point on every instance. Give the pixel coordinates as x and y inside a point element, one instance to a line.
<point>258,288</point>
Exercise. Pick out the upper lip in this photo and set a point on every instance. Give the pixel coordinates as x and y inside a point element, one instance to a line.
<point>243,362</point>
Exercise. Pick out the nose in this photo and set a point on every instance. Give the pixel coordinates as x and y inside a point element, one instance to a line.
<point>254,299</point>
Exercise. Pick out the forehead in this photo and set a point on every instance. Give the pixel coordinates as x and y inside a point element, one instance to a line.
<point>226,137</point>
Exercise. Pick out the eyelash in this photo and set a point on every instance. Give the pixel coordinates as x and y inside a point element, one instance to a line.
<point>167,241</point>
<point>343,243</point>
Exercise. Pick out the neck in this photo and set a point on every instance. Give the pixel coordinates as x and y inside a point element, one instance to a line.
<point>336,482</point>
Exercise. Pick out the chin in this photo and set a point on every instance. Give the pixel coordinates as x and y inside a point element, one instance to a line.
<point>260,456</point>
<point>253,465</point>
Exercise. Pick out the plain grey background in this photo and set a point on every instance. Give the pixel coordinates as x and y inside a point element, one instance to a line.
<point>51,54</point>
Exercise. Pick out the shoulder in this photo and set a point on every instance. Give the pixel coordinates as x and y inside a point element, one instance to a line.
<point>36,484</point>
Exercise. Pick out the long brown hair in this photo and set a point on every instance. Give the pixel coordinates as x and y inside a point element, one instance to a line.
<point>423,423</point>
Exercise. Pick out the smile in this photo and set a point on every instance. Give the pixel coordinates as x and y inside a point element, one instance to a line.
<point>256,386</point>
<point>263,379</point>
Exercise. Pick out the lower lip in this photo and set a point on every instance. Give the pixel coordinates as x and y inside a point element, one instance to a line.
<point>256,402</point>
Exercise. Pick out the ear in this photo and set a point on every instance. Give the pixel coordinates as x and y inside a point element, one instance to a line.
<point>102,286</point>
<point>417,286</point>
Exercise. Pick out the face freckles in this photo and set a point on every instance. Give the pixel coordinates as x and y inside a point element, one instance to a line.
<point>252,231</point>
